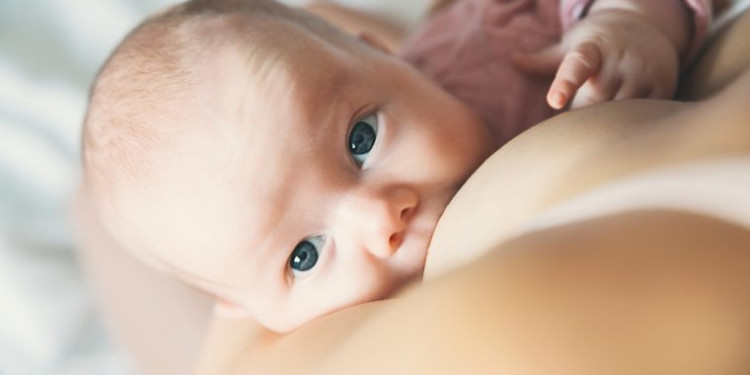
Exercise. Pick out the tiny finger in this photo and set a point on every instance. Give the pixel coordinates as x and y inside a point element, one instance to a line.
<point>597,90</point>
<point>578,65</point>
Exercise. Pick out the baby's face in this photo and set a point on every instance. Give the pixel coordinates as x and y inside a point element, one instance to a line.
<point>316,188</point>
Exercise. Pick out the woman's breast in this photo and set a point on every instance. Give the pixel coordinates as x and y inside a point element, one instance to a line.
<point>514,184</point>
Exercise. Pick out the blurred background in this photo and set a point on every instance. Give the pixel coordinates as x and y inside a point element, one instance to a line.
<point>50,51</point>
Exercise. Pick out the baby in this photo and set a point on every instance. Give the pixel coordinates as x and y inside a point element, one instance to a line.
<point>290,170</point>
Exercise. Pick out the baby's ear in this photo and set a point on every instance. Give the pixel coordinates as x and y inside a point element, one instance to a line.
<point>375,42</point>
<point>228,310</point>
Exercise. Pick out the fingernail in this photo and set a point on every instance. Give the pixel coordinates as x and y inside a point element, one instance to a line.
<point>557,99</point>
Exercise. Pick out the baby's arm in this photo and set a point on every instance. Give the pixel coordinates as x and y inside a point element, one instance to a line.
<point>158,322</point>
<point>621,49</point>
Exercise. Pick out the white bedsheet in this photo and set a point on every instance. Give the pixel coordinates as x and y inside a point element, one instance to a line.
<point>49,52</point>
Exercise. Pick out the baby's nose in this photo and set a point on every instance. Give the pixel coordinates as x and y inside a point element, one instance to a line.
<point>377,220</point>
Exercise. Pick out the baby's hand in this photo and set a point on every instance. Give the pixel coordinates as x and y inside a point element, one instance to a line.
<point>611,54</point>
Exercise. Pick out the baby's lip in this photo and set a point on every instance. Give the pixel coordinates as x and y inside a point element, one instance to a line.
<point>422,224</point>
<point>422,227</point>
<point>435,218</point>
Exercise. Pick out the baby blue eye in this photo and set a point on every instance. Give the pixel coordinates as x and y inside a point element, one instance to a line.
<point>305,254</point>
<point>362,138</point>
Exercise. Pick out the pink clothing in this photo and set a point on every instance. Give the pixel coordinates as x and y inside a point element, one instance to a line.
<point>467,49</point>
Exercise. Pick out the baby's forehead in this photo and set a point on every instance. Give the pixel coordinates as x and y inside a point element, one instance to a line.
<point>293,86</point>
<point>248,101</point>
<point>267,43</point>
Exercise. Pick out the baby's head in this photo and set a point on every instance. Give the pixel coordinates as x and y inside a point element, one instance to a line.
<point>263,156</point>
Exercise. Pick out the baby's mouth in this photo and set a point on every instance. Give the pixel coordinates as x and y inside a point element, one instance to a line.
<point>422,227</point>
<point>442,206</point>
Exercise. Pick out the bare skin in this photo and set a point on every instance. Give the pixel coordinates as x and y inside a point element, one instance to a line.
<point>239,346</point>
<point>563,300</point>
<point>594,141</point>
<point>668,251</point>
<point>491,315</point>
<point>158,319</point>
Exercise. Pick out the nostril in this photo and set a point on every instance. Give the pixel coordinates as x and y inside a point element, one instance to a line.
<point>395,240</point>
<point>406,213</point>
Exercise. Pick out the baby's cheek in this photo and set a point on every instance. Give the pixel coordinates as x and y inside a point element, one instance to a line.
<point>463,145</point>
<point>369,282</point>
